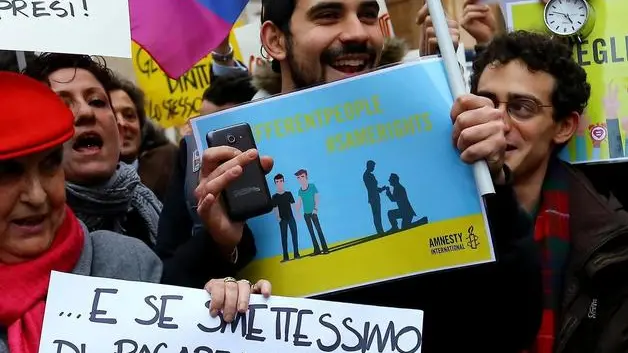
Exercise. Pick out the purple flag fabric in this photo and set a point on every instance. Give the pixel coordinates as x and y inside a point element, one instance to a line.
<point>179,33</point>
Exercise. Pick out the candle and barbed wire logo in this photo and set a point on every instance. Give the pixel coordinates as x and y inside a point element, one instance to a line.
<point>472,239</point>
<point>455,241</point>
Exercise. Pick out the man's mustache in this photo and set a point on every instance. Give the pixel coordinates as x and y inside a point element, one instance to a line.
<point>330,55</point>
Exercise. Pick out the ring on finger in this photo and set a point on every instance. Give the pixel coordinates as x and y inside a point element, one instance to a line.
<point>246,281</point>
<point>230,280</point>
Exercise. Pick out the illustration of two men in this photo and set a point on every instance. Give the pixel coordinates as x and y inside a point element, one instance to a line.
<point>308,201</point>
<point>404,210</point>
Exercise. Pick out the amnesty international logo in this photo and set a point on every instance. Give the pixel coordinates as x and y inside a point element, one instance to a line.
<point>472,239</point>
<point>459,241</point>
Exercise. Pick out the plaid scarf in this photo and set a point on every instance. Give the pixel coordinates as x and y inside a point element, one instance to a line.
<point>551,232</point>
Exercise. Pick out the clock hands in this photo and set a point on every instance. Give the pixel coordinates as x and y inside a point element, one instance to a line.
<point>569,19</point>
<point>566,15</point>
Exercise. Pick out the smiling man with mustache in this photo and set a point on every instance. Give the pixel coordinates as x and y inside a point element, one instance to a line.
<point>321,41</point>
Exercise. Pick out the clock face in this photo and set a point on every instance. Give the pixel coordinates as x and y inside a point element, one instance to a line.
<point>566,17</point>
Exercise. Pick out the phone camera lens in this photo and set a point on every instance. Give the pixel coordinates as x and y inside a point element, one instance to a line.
<point>231,139</point>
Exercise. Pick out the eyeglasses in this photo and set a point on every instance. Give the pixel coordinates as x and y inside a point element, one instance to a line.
<point>523,108</point>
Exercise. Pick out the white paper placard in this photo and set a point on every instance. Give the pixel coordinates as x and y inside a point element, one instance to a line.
<point>93,27</point>
<point>89,314</point>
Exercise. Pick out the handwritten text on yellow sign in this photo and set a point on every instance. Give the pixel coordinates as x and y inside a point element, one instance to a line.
<point>172,102</point>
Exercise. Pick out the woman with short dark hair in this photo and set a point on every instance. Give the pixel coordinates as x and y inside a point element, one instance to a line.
<point>104,193</point>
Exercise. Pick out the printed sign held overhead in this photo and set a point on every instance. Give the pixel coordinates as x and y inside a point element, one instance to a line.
<point>92,27</point>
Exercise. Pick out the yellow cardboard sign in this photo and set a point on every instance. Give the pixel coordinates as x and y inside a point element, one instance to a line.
<point>603,134</point>
<point>170,103</point>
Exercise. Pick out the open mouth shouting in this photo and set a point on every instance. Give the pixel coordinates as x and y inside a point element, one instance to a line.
<point>88,143</point>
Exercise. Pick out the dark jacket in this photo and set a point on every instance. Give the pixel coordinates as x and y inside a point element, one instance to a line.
<point>486,308</point>
<point>595,300</point>
<point>156,160</point>
<point>608,178</point>
<point>190,260</point>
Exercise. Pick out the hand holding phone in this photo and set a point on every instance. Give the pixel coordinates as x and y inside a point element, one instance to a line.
<point>247,196</point>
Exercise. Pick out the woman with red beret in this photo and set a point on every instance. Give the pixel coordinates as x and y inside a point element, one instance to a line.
<point>38,231</point>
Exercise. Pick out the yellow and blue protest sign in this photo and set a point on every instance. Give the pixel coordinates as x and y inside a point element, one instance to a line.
<point>170,103</point>
<point>603,132</point>
<point>366,184</point>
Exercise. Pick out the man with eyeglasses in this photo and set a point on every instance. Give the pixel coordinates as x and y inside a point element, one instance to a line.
<point>528,86</point>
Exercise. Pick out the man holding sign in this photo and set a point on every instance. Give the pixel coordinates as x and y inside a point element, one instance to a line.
<point>540,92</point>
<point>313,42</point>
<point>334,42</point>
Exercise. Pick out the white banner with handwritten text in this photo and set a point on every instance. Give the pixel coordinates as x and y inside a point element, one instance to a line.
<point>88,314</point>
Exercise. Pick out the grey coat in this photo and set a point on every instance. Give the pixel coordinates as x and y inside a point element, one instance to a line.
<point>110,255</point>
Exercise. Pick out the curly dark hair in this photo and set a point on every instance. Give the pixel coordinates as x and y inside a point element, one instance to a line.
<point>42,66</point>
<point>542,53</point>
<point>135,93</point>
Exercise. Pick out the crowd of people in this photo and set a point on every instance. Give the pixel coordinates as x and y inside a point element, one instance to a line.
<point>91,186</point>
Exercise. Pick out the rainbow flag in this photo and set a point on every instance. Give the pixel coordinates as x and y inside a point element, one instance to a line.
<point>179,33</point>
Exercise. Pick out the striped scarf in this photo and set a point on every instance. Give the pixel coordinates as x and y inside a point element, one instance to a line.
<point>551,232</point>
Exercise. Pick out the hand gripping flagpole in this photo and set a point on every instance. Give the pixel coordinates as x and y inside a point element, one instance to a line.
<point>483,180</point>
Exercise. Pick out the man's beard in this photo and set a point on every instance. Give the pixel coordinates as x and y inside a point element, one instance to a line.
<point>304,78</point>
<point>301,76</point>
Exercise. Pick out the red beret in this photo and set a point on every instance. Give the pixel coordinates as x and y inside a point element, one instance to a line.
<point>32,117</point>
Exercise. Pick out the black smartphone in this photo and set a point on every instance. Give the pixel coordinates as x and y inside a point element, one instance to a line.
<point>247,196</point>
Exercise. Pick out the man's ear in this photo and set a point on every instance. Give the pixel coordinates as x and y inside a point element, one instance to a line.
<point>273,41</point>
<point>566,128</point>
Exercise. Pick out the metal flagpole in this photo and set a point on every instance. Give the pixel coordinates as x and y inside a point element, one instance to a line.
<point>21,60</point>
<point>483,178</point>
